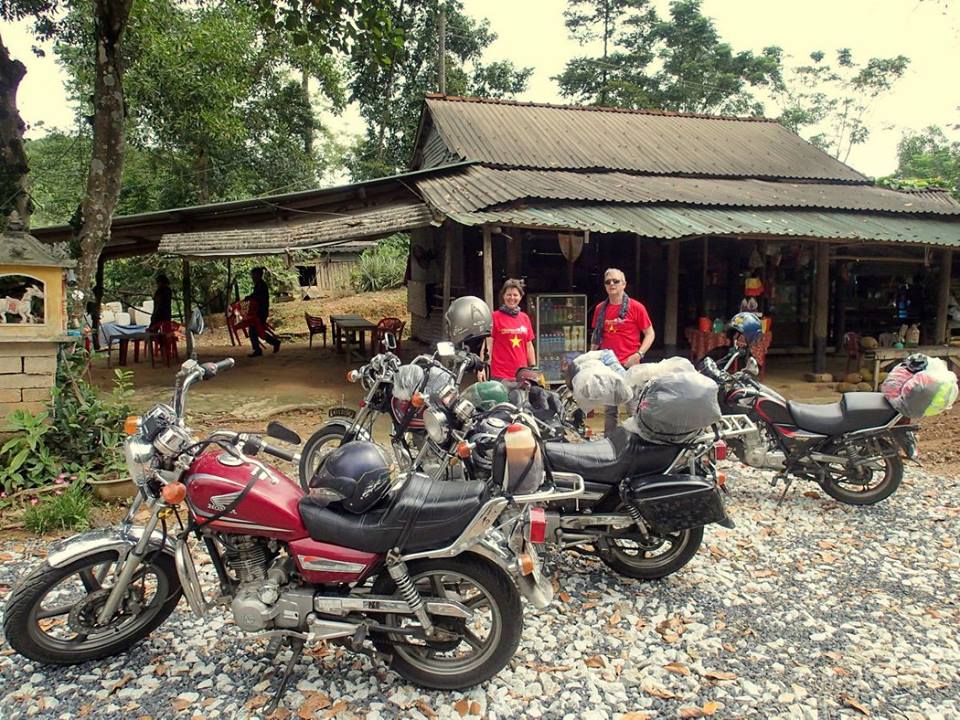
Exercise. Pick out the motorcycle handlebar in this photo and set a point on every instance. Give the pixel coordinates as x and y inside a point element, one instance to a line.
<point>255,444</point>
<point>211,369</point>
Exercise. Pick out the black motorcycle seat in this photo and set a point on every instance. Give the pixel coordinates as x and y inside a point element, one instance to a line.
<point>855,411</point>
<point>610,460</point>
<point>439,509</point>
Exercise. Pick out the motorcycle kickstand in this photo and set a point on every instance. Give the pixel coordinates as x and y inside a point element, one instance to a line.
<point>296,645</point>
<point>787,484</point>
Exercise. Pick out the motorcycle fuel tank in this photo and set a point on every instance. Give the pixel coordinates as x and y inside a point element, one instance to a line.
<point>269,509</point>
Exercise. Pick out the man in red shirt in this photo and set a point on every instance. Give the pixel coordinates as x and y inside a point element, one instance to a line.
<point>620,324</point>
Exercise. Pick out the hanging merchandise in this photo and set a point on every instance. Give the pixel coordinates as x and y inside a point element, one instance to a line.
<point>756,260</point>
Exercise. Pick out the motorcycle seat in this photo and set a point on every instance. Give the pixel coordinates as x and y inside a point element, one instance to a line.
<point>612,459</point>
<point>855,411</point>
<point>439,509</point>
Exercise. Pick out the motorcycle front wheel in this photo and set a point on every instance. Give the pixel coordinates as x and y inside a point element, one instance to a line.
<point>52,615</point>
<point>867,484</point>
<point>316,449</point>
<point>472,650</point>
<point>649,558</point>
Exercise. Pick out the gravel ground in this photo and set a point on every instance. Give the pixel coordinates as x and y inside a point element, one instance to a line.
<point>815,610</point>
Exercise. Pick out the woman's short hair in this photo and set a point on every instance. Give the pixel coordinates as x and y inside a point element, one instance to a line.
<point>511,283</point>
<point>616,272</point>
<point>162,279</point>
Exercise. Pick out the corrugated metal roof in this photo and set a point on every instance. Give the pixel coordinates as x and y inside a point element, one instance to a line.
<point>520,135</point>
<point>678,222</point>
<point>367,223</point>
<point>477,187</point>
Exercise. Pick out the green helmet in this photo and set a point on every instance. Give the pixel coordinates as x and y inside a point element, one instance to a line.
<point>484,395</point>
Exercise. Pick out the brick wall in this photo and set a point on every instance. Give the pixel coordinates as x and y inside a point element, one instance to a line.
<point>27,372</point>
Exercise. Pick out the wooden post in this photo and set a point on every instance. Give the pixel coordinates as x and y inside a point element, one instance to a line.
<point>487,267</point>
<point>672,299</point>
<point>447,262</point>
<point>821,306</point>
<point>513,257</point>
<point>186,306</point>
<point>943,297</point>
<point>635,280</point>
<point>703,278</point>
<point>226,299</point>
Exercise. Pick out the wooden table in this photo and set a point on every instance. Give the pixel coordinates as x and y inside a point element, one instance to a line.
<point>888,354</point>
<point>353,325</point>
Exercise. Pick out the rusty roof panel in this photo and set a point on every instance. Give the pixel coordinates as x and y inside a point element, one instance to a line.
<point>676,222</point>
<point>478,187</point>
<point>511,134</point>
<point>366,223</point>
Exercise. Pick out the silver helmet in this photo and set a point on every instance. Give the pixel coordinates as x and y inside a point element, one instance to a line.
<point>467,318</point>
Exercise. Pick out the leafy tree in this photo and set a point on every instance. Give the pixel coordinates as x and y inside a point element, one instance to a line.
<point>927,159</point>
<point>391,95</point>
<point>611,78</point>
<point>679,63</point>
<point>329,25</point>
<point>833,98</point>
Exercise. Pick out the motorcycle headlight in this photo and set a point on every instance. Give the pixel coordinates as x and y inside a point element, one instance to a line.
<point>137,453</point>
<point>435,423</point>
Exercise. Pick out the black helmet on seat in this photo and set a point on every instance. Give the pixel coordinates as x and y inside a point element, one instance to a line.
<point>358,475</point>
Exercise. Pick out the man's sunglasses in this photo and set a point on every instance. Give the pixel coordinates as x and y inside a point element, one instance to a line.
<point>611,281</point>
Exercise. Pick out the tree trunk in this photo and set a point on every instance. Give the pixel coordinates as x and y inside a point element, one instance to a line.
<point>106,162</point>
<point>13,173</point>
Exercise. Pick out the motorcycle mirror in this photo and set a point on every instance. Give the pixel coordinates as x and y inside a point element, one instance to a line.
<point>281,432</point>
<point>752,367</point>
<point>389,341</point>
<point>446,350</point>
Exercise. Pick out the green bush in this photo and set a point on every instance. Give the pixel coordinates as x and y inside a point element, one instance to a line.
<point>382,267</point>
<point>87,432</point>
<point>82,436</point>
<point>25,459</point>
<point>69,509</point>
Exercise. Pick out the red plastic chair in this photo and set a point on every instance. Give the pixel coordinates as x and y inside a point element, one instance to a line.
<point>316,326</point>
<point>389,325</point>
<point>166,335</point>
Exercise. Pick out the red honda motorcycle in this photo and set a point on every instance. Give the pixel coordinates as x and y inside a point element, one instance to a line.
<point>428,577</point>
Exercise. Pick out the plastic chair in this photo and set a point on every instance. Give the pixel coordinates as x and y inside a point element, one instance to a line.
<point>316,326</point>
<point>165,342</point>
<point>389,325</point>
<point>851,344</point>
<point>242,315</point>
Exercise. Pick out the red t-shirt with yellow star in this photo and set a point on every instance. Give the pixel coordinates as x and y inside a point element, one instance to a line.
<point>622,336</point>
<point>510,337</point>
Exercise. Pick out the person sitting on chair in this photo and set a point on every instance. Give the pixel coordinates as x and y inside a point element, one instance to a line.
<point>259,310</point>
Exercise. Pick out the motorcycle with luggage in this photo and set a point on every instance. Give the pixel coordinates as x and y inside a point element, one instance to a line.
<point>853,449</point>
<point>424,575</point>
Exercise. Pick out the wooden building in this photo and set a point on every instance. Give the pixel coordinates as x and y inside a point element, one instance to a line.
<point>689,206</point>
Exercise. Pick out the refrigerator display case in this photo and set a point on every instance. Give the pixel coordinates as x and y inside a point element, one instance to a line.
<point>561,324</point>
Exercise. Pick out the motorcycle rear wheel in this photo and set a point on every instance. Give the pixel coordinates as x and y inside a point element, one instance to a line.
<point>853,492</point>
<point>66,632</point>
<point>628,556</point>
<point>317,447</point>
<point>493,635</point>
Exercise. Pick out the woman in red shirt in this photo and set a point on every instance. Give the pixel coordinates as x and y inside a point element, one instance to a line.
<point>510,345</point>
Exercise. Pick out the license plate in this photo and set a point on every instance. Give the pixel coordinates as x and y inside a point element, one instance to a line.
<point>343,412</point>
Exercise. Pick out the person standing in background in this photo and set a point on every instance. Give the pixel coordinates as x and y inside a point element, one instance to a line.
<point>622,325</point>
<point>510,345</point>
<point>258,319</point>
<point>162,305</point>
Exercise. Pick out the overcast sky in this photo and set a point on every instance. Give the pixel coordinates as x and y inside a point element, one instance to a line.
<point>532,33</point>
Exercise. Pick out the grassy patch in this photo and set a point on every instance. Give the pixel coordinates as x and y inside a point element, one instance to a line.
<point>68,511</point>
